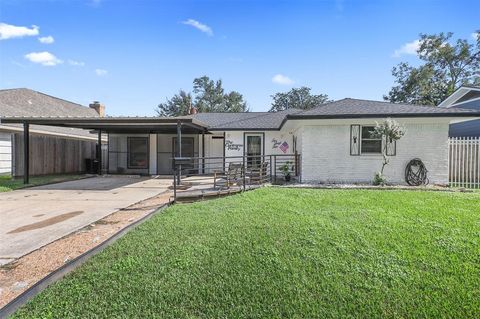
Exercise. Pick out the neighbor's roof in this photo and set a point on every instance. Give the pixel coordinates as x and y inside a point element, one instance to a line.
<point>355,108</point>
<point>26,102</point>
<point>462,93</point>
<point>244,121</point>
<point>29,103</point>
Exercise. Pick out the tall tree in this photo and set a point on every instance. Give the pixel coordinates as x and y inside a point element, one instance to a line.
<point>209,96</point>
<point>446,66</point>
<point>179,104</point>
<point>234,102</point>
<point>300,98</point>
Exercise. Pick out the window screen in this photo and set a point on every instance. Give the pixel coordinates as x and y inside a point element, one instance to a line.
<point>370,144</point>
<point>137,152</point>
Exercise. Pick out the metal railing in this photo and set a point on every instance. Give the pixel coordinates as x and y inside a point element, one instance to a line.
<point>202,177</point>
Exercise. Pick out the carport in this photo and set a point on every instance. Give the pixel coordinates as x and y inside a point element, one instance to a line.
<point>133,126</point>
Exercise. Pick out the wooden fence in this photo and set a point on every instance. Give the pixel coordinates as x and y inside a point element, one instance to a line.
<point>53,155</point>
<point>464,162</point>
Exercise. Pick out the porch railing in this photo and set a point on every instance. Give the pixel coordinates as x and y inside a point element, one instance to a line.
<point>202,177</point>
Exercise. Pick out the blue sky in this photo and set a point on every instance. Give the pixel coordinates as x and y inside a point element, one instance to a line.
<point>131,55</point>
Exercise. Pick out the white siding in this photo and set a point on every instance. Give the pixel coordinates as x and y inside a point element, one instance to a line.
<point>165,151</point>
<point>237,137</point>
<point>326,154</point>
<point>118,156</point>
<point>5,153</point>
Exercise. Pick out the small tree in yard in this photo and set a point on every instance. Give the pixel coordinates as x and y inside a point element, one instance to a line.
<point>390,131</point>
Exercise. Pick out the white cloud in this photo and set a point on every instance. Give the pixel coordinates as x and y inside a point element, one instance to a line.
<point>199,26</point>
<point>407,48</point>
<point>44,58</point>
<point>95,3</point>
<point>282,79</point>
<point>46,40</point>
<point>101,72</point>
<point>8,31</point>
<point>475,35</point>
<point>76,63</point>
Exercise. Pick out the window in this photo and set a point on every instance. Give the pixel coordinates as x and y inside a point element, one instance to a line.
<point>138,152</point>
<point>369,143</point>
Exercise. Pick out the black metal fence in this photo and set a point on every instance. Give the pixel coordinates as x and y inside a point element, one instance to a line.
<point>201,177</point>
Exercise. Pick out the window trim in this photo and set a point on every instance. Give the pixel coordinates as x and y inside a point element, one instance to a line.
<point>129,153</point>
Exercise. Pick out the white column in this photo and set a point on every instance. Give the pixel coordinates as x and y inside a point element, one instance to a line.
<point>152,169</point>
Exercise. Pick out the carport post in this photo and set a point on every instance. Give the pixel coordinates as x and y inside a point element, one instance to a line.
<point>179,150</point>
<point>99,152</point>
<point>26,153</point>
<point>203,151</point>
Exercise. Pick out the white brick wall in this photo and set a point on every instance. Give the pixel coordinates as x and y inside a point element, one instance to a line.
<point>326,154</point>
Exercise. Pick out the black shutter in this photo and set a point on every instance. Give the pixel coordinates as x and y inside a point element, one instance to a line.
<point>355,140</point>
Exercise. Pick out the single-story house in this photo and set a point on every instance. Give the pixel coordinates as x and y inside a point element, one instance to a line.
<point>467,97</point>
<point>333,140</point>
<point>54,149</point>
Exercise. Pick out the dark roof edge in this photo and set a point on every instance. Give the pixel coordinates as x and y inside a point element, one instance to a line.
<point>246,129</point>
<point>398,115</point>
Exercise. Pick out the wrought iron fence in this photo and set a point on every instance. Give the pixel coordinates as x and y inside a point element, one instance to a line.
<point>203,177</point>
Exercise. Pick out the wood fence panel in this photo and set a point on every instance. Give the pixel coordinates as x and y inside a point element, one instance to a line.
<point>53,155</point>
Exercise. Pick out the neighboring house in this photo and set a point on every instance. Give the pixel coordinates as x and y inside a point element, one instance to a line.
<point>53,149</point>
<point>333,139</point>
<point>467,97</point>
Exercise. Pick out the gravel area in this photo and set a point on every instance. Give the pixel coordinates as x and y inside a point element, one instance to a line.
<point>19,275</point>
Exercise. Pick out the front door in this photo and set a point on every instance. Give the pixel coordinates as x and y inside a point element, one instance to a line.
<point>254,149</point>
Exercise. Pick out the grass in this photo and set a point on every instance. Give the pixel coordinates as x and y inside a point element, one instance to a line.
<point>7,183</point>
<point>286,253</point>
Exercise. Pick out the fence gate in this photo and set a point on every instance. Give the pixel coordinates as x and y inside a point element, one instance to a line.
<point>464,162</point>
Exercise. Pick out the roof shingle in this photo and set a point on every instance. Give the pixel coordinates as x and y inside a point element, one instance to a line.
<point>29,103</point>
<point>354,108</point>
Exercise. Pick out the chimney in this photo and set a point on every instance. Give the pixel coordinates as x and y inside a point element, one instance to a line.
<point>100,108</point>
<point>192,110</point>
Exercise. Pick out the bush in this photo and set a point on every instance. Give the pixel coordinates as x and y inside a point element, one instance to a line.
<point>379,179</point>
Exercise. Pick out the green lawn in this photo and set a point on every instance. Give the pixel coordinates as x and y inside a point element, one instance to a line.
<point>285,253</point>
<point>7,183</point>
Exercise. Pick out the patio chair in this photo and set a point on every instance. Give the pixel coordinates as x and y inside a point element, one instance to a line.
<point>231,177</point>
<point>258,175</point>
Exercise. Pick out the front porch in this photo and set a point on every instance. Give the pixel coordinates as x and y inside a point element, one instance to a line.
<point>207,177</point>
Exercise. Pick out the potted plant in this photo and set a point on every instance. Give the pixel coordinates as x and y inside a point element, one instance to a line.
<point>285,169</point>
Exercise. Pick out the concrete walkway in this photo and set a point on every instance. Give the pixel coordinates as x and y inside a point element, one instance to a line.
<point>34,217</point>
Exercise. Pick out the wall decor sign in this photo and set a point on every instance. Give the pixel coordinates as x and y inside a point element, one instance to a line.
<point>284,147</point>
<point>275,143</point>
<point>231,146</point>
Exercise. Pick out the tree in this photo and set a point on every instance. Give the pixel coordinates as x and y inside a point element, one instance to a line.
<point>209,96</point>
<point>297,98</point>
<point>445,68</point>
<point>389,131</point>
<point>178,105</point>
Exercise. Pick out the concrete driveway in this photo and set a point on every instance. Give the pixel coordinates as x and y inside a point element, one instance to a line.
<point>34,217</point>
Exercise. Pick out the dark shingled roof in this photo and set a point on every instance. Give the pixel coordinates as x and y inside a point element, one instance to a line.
<point>244,121</point>
<point>28,103</point>
<point>354,108</point>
